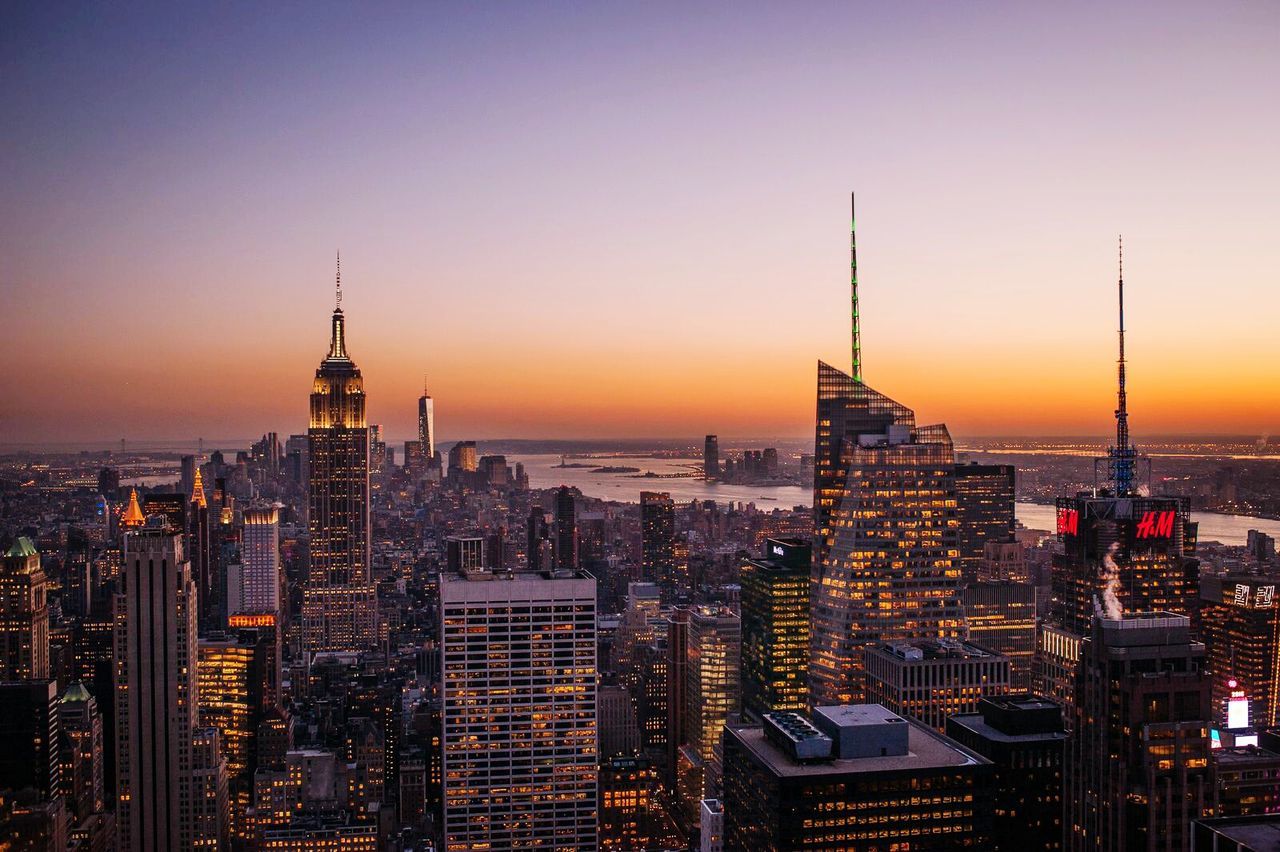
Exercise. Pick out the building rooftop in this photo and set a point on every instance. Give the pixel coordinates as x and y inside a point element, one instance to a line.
<point>1021,718</point>
<point>1139,629</point>
<point>22,548</point>
<point>924,650</point>
<point>1252,832</point>
<point>1248,754</point>
<point>925,750</point>
<point>76,692</point>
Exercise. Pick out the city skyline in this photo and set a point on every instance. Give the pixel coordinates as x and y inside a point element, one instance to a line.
<point>523,571</point>
<point>719,234</point>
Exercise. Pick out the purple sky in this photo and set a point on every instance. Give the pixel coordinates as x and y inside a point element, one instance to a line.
<point>585,220</point>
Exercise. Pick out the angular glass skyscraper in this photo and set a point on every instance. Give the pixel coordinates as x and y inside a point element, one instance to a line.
<point>846,409</point>
<point>886,531</point>
<point>427,424</point>
<point>338,602</point>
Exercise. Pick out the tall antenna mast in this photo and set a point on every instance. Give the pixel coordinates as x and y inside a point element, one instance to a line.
<point>1121,456</point>
<point>338,304</point>
<point>853,285</point>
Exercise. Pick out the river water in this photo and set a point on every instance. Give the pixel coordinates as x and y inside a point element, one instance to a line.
<point>544,473</point>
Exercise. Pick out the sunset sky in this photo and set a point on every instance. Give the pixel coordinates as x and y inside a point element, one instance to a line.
<point>584,220</point>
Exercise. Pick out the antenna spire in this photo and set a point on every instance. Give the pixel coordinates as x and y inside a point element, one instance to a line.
<point>853,286</point>
<point>1121,457</point>
<point>337,341</point>
<point>338,304</point>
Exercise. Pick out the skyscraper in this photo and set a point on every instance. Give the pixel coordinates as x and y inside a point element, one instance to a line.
<point>711,458</point>
<point>631,814</point>
<point>775,628</point>
<point>1240,621</point>
<point>712,688</point>
<point>426,423</point>
<point>81,747</point>
<point>566,528</point>
<point>260,562</point>
<point>538,546</point>
<point>677,674</point>
<point>1002,618</point>
<point>159,797</point>
<point>886,526</point>
<point>24,614</point>
<point>338,601</point>
<point>212,588</point>
<point>984,503</point>
<point>518,653</point>
<point>30,729</point>
<point>890,571</point>
<point>236,688</point>
<point>657,540</point>
<point>1138,771</point>
<point>1123,551</point>
<point>847,408</point>
<point>463,458</point>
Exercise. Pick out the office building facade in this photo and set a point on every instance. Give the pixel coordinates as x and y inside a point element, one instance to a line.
<point>984,504</point>
<point>1001,617</point>
<point>1240,624</point>
<point>260,562</point>
<point>890,571</point>
<point>518,656</point>
<point>852,777</point>
<point>711,458</point>
<point>929,680</point>
<point>24,614</point>
<point>160,770</point>
<point>775,628</point>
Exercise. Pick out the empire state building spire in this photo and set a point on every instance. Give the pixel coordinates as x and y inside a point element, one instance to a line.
<point>337,339</point>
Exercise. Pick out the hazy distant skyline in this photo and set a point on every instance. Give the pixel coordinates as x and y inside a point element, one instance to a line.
<point>584,221</point>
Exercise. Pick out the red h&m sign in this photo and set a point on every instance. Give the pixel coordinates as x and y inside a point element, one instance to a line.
<point>1155,525</point>
<point>1068,521</point>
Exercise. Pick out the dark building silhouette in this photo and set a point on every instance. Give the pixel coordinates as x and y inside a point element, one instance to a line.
<point>30,729</point>
<point>711,458</point>
<point>657,541</point>
<point>164,759</point>
<point>1138,771</point>
<point>566,528</point>
<point>539,545</point>
<point>1025,739</point>
<point>426,424</point>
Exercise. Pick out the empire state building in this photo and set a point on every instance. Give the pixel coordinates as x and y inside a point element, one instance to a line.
<point>339,601</point>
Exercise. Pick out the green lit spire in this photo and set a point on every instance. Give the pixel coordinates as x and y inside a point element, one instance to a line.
<point>853,284</point>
